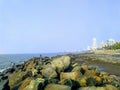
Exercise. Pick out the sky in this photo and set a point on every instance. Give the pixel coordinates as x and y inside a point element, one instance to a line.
<point>46,26</point>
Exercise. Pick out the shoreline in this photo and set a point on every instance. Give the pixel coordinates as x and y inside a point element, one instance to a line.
<point>69,71</point>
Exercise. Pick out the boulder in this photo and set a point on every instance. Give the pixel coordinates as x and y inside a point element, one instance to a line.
<point>70,75</point>
<point>49,72</point>
<point>16,77</point>
<point>4,85</point>
<point>61,63</point>
<point>25,83</point>
<point>90,73</point>
<point>76,68</point>
<point>57,87</point>
<point>28,65</point>
<point>91,81</point>
<point>110,87</point>
<point>82,81</point>
<point>92,88</point>
<point>98,79</point>
<point>34,71</point>
<point>36,84</point>
<point>84,67</point>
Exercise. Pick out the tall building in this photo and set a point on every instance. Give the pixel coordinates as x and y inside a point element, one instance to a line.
<point>94,46</point>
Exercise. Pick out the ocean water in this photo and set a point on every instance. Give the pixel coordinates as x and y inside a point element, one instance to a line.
<point>7,60</point>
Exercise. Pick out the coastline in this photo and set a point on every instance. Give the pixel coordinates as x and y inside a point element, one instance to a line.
<point>53,71</point>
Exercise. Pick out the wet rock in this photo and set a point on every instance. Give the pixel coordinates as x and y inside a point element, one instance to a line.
<point>57,87</point>
<point>61,63</point>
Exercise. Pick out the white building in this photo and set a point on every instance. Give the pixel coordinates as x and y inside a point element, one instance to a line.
<point>94,45</point>
<point>110,42</point>
<point>102,44</point>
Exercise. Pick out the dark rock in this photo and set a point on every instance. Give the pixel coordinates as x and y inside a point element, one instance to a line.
<point>4,85</point>
<point>91,81</point>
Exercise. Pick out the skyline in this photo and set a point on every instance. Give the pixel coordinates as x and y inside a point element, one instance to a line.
<point>56,26</point>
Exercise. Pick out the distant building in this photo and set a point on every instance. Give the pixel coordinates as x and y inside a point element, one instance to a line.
<point>101,45</point>
<point>88,48</point>
<point>110,42</point>
<point>94,45</point>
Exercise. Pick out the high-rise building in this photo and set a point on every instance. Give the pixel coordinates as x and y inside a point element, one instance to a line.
<point>110,42</point>
<point>94,46</point>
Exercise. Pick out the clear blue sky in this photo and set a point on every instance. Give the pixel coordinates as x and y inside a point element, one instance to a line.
<point>37,26</point>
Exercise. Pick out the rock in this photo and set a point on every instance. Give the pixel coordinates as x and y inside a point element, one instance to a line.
<point>110,87</point>
<point>90,73</point>
<point>102,73</point>
<point>73,84</point>
<point>91,81</point>
<point>16,78</point>
<point>75,64</point>
<point>98,80</point>
<point>82,81</point>
<point>49,72</point>
<point>92,88</point>
<point>36,84</point>
<point>25,83</point>
<point>84,67</point>
<point>92,67</point>
<point>51,81</point>
<point>57,87</point>
<point>61,63</point>
<point>70,75</point>
<point>34,71</point>
<point>4,85</point>
<point>29,64</point>
<point>39,76</point>
<point>76,68</point>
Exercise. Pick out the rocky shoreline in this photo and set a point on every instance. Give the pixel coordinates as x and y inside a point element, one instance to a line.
<point>57,73</point>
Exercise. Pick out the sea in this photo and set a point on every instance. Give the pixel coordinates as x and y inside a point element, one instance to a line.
<point>7,60</point>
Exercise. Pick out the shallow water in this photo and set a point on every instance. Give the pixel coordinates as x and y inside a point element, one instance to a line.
<point>103,66</point>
